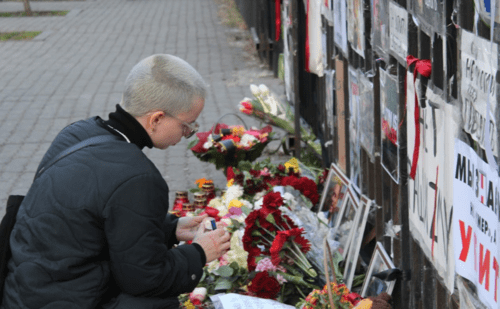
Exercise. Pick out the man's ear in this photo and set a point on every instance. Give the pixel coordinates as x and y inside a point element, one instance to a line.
<point>156,118</point>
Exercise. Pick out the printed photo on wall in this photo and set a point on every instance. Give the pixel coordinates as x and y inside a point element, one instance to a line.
<point>373,284</point>
<point>389,114</point>
<point>345,220</point>
<point>334,194</point>
<point>354,127</point>
<point>359,224</point>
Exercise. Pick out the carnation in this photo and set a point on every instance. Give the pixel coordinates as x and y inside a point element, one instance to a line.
<point>217,204</point>
<point>234,192</point>
<point>264,286</point>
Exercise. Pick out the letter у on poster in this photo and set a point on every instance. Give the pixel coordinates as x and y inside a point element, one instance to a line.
<point>475,222</point>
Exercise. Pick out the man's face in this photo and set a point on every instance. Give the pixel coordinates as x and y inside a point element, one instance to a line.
<point>170,130</point>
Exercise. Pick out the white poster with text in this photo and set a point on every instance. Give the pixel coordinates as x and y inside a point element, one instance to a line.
<point>479,63</point>
<point>430,194</point>
<point>475,222</point>
<point>398,31</point>
<point>340,25</point>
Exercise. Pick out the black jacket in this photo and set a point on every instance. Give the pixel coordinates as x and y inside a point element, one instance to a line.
<point>95,225</point>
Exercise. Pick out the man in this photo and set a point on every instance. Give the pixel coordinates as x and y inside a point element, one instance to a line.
<point>93,230</point>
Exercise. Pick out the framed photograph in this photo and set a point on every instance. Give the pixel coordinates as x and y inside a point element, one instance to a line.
<point>372,286</point>
<point>334,194</point>
<point>345,220</point>
<point>358,227</point>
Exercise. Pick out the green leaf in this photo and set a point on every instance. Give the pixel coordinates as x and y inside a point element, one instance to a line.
<point>270,219</point>
<point>358,280</point>
<point>223,284</point>
<point>225,271</point>
<point>192,143</point>
<point>194,190</point>
<point>294,279</point>
<point>337,258</point>
<point>244,165</point>
<point>236,224</point>
<point>234,266</point>
<point>256,233</point>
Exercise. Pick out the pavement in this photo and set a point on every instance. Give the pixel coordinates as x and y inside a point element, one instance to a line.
<point>77,66</point>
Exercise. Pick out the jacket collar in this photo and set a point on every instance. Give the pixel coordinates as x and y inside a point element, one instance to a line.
<point>127,125</point>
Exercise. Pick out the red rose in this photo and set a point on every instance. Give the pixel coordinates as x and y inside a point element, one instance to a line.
<point>264,286</point>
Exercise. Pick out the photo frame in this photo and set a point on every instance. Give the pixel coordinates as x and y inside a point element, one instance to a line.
<point>334,193</point>
<point>346,218</point>
<point>356,239</point>
<point>380,261</point>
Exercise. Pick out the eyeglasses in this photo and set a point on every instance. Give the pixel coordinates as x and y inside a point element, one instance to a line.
<point>192,127</point>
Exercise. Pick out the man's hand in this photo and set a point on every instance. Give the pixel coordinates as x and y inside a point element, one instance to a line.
<point>214,243</point>
<point>188,226</point>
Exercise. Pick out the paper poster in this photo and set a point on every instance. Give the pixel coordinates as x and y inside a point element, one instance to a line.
<point>431,193</point>
<point>485,9</point>
<point>356,26</point>
<point>340,25</point>
<point>329,102</point>
<point>366,114</point>
<point>479,64</point>
<point>237,301</point>
<point>389,113</point>
<point>398,31</point>
<point>287,54</point>
<point>314,54</point>
<point>354,127</point>
<point>327,11</point>
<point>429,14</point>
<point>476,199</point>
<point>380,26</point>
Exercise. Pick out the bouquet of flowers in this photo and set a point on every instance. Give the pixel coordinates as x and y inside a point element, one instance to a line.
<point>263,175</point>
<point>227,145</point>
<point>276,254</point>
<point>268,108</point>
<point>319,299</point>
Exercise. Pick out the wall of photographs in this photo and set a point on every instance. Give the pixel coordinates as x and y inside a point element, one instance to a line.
<point>403,96</point>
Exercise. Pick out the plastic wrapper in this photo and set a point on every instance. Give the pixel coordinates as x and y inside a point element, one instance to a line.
<point>315,229</point>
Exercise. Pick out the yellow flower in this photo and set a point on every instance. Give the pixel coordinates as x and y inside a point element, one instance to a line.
<point>189,305</point>
<point>238,131</point>
<point>230,182</point>
<point>364,304</point>
<point>235,203</point>
<point>292,164</point>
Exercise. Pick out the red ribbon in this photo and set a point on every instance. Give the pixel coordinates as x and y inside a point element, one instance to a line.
<point>423,67</point>
<point>277,9</point>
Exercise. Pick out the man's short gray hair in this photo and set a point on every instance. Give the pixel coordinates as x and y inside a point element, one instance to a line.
<point>162,82</point>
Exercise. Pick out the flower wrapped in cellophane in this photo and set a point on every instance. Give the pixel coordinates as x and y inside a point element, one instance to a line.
<point>276,253</point>
<point>227,145</point>
<point>268,108</point>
